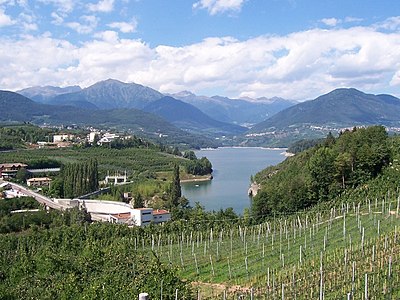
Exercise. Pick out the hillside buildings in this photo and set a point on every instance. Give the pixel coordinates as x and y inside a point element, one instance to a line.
<point>9,170</point>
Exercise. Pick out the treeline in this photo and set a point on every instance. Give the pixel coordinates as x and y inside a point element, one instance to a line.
<point>323,172</point>
<point>80,178</point>
<point>100,261</point>
<point>304,144</point>
<point>27,219</point>
<point>197,166</point>
<point>15,136</point>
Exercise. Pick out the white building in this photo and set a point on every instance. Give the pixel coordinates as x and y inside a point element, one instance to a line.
<point>161,215</point>
<point>119,212</point>
<point>107,138</point>
<point>62,137</point>
<point>142,216</point>
<point>39,181</point>
<point>92,136</point>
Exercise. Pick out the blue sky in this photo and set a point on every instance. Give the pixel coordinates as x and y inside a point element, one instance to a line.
<point>295,49</point>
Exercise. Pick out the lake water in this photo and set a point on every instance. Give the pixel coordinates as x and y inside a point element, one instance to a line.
<point>232,170</point>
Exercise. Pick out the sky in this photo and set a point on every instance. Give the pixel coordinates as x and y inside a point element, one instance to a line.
<point>294,49</point>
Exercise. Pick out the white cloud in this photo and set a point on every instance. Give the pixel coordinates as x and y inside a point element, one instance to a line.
<point>124,27</point>
<point>102,6</point>
<point>219,6</point>
<point>392,23</point>
<point>28,22</point>
<point>300,65</point>
<point>331,22</point>
<point>5,20</point>
<point>57,19</point>
<point>63,6</point>
<point>108,36</point>
<point>87,24</point>
<point>352,20</point>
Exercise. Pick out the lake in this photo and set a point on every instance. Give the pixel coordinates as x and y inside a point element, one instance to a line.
<point>233,168</point>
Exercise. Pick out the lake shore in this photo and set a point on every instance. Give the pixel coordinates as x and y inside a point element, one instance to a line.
<point>197,179</point>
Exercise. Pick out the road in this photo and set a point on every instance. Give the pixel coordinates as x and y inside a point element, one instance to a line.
<point>39,198</point>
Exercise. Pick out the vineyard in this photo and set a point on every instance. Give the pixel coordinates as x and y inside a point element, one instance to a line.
<point>350,251</point>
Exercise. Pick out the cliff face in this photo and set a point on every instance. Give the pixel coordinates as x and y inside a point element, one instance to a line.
<point>253,190</point>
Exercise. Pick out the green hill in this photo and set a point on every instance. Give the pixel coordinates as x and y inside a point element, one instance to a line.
<point>323,172</point>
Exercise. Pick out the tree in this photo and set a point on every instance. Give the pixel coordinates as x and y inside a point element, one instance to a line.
<point>321,167</point>
<point>22,175</point>
<point>138,201</point>
<point>80,178</point>
<point>189,154</point>
<point>343,164</point>
<point>175,188</point>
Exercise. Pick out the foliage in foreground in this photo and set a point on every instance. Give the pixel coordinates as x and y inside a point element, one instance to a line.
<point>92,261</point>
<point>322,173</point>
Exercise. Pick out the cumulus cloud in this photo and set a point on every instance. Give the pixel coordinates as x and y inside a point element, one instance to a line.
<point>219,6</point>
<point>299,65</point>
<point>124,27</point>
<point>5,20</point>
<point>102,6</point>
<point>87,24</point>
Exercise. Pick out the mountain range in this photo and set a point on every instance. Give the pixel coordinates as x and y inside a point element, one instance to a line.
<point>184,115</point>
<point>267,120</point>
<point>17,108</point>
<point>111,94</point>
<point>238,111</point>
<point>340,107</point>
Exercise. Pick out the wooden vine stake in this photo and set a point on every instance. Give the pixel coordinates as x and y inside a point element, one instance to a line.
<point>321,285</point>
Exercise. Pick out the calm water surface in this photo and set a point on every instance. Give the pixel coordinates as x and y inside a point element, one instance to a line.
<point>232,170</point>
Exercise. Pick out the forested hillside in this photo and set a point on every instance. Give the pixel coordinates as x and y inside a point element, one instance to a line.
<point>325,171</point>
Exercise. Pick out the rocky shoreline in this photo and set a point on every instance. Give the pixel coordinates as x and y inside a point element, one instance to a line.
<point>253,190</point>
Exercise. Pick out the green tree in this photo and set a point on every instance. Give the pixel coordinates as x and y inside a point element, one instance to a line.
<point>189,154</point>
<point>321,168</point>
<point>22,175</point>
<point>175,188</point>
<point>138,201</point>
<point>343,165</point>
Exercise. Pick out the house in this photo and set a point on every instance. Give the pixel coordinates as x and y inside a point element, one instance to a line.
<point>161,215</point>
<point>107,138</point>
<point>62,137</point>
<point>9,170</point>
<point>92,136</point>
<point>39,181</point>
<point>141,217</point>
<point>121,218</point>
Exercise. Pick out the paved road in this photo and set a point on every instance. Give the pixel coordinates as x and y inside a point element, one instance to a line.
<point>39,198</point>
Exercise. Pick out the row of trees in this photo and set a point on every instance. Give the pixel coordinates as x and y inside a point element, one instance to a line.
<point>323,172</point>
<point>80,178</point>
